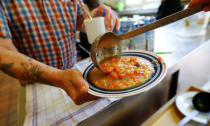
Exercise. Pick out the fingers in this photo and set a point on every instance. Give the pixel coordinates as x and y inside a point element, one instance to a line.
<point>198,2</point>
<point>94,12</point>
<point>193,3</point>
<point>206,8</point>
<point>78,81</point>
<point>110,19</point>
<point>117,24</point>
<point>81,96</point>
<point>107,19</point>
<point>71,90</point>
<point>98,12</point>
<point>76,87</point>
<point>77,96</point>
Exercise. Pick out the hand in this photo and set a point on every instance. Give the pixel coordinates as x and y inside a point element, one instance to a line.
<point>206,4</point>
<point>76,87</point>
<point>111,20</point>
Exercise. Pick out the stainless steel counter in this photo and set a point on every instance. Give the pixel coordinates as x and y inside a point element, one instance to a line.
<point>134,110</point>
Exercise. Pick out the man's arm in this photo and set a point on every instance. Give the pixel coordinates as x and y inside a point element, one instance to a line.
<point>23,67</point>
<point>30,70</point>
<point>7,43</point>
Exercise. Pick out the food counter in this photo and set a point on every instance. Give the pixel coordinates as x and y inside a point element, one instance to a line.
<point>180,61</point>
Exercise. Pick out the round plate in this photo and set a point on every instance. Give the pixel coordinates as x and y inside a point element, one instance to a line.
<point>157,76</point>
<point>185,106</point>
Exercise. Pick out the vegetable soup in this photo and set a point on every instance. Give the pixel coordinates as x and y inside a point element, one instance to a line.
<point>122,73</point>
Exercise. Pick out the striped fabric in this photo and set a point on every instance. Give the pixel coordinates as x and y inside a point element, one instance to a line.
<point>60,110</point>
<point>42,29</point>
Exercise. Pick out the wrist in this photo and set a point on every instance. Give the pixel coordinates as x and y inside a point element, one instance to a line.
<point>54,77</point>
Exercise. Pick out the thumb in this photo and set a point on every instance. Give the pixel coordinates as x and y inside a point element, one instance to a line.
<point>79,82</point>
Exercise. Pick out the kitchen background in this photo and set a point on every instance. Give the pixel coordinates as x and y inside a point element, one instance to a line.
<point>134,14</point>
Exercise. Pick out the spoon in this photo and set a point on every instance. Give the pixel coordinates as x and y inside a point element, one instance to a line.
<point>108,44</point>
<point>201,102</point>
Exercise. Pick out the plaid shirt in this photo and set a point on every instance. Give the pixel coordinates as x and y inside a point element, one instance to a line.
<point>42,29</point>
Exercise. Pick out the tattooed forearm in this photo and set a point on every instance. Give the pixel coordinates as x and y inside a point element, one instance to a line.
<point>26,70</point>
<point>33,73</point>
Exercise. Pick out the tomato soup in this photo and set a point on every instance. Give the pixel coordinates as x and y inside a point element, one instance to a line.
<point>122,73</point>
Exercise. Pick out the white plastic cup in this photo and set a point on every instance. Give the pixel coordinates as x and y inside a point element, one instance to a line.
<point>94,28</point>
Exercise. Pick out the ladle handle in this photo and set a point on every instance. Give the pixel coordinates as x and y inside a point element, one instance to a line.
<point>161,22</point>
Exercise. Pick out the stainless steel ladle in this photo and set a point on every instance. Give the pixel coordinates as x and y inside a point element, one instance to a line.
<point>108,44</point>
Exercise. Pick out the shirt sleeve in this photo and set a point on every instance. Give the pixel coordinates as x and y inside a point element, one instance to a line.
<point>80,8</point>
<point>4,29</point>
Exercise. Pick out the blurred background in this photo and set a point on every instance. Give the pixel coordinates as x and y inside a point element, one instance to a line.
<point>132,14</point>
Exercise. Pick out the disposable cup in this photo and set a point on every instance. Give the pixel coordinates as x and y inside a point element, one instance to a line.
<point>94,28</point>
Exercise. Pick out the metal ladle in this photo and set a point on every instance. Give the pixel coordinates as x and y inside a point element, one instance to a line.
<point>108,44</point>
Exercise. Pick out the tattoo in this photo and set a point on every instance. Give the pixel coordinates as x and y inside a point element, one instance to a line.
<point>5,68</point>
<point>33,73</point>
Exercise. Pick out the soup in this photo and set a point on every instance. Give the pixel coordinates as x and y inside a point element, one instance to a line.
<point>122,73</point>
